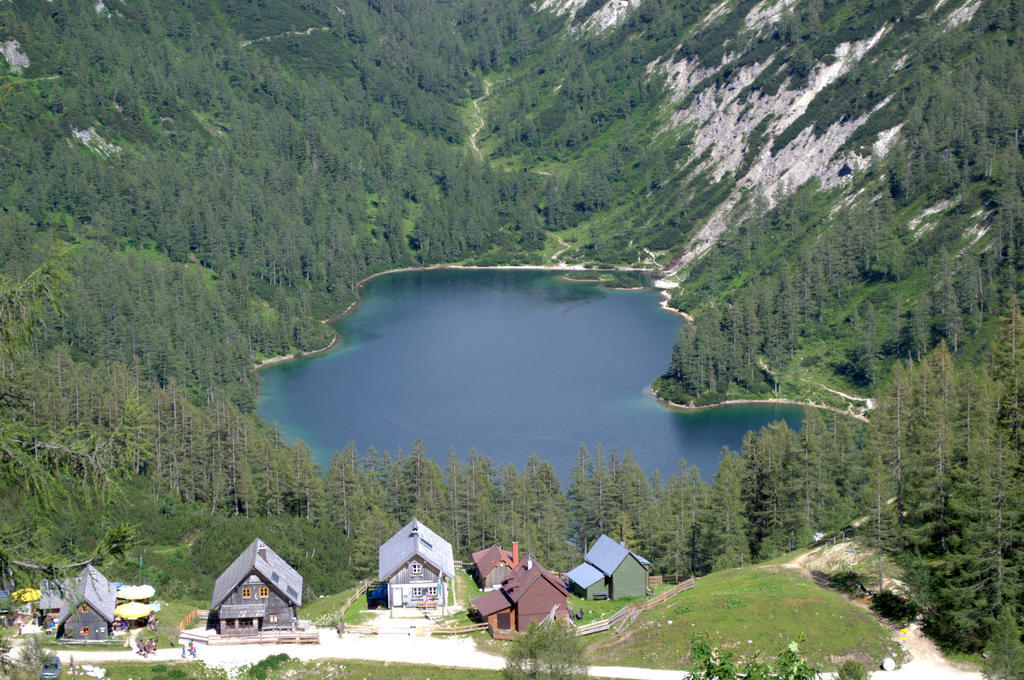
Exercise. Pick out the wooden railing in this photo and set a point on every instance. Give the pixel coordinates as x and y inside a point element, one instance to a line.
<point>458,630</point>
<point>623,618</point>
<point>282,638</point>
<point>191,617</point>
<point>363,585</point>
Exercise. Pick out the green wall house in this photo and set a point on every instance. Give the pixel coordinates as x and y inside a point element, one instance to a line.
<point>609,571</point>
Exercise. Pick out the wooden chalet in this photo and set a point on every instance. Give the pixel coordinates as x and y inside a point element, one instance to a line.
<point>87,608</point>
<point>417,565</point>
<point>529,593</point>
<point>493,564</point>
<point>610,571</point>
<point>258,592</point>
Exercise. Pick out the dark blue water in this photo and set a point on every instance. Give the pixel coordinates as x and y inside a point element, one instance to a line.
<point>510,363</point>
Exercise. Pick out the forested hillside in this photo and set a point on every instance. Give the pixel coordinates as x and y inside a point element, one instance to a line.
<point>833,188</point>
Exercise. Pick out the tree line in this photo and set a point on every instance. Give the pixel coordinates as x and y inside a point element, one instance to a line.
<point>934,477</point>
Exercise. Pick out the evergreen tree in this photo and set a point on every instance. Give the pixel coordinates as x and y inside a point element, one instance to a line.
<point>1004,653</point>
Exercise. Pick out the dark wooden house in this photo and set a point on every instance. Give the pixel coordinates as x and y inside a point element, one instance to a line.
<point>417,565</point>
<point>528,594</point>
<point>87,609</point>
<point>258,592</point>
<point>493,564</point>
<point>610,571</point>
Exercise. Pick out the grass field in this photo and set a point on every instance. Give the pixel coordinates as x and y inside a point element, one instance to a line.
<point>746,610</point>
<point>324,610</point>
<point>296,670</point>
<point>171,614</point>
<point>595,610</point>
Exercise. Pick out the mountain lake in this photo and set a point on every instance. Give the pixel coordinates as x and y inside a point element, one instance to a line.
<point>509,362</point>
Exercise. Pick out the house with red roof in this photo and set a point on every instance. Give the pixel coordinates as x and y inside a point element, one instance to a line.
<point>529,593</point>
<point>493,564</point>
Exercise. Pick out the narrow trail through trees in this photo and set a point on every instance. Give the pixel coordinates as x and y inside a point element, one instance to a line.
<point>479,120</point>
<point>565,247</point>
<point>268,38</point>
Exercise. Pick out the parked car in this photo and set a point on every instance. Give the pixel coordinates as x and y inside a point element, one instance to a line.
<point>51,668</point>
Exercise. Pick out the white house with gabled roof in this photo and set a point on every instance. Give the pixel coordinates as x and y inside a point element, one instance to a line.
<point>417,565</point>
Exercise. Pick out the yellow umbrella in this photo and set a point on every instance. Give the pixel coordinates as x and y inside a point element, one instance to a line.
<point>26,594</point>
<point>135,592</point>
<point>133,610</point>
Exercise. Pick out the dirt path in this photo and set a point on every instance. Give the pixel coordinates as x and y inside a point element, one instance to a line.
<point>926,660</point>
<point>479,120</point>
<point>869,403</point>
<point>268,38</point>
<point>565,247</point>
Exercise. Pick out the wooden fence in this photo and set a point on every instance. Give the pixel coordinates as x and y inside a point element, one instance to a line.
<point>283,638</point>
<point>458,630</point>
<point>623,618</point>
<point>191,617</point>
<point>363,585</point>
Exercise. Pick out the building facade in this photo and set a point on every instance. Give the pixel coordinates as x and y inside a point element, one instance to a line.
<point>610,571</point>
<point>87,609</point>
<point>258,592</point>
<point>417,566</point>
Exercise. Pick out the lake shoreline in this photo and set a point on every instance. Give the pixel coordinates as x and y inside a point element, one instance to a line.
<point>739,402</point>
<point>359,285</point>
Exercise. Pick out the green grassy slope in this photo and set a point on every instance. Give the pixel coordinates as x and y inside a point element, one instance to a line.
<point>747,610</point>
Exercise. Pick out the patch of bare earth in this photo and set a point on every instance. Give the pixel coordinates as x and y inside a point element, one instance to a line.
<point>926,661</point>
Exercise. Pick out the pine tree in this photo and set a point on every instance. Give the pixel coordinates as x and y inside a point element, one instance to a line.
<point>728,528</point>
<point>1004,653</point>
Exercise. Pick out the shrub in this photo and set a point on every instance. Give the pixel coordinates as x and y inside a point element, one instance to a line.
<point>262,670</point>
<point>897,609</point>
<point>851,670</point>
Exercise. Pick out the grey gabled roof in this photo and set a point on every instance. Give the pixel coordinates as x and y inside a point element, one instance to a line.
<point>52,593</point>
<point>607,555</point>
<point>414,538</point>
<point>92,588</point>
<point>585,575</point>
<point>259,558</point>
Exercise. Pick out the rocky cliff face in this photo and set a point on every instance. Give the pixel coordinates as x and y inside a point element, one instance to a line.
<point>736,124</point>
<point>608,15</point>
<point>752,89</point>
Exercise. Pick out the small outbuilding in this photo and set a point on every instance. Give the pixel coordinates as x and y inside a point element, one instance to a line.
<point>610,571</point>
<point>87,609</point>
<point>51,596</point>
<point>258,592</point>
<point>417,565</point>
<point>493,564</point>
<point>529,593</point>
<point>8,609</point>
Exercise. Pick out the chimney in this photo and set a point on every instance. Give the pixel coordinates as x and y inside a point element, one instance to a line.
<point>515,553</point>
<point>529,561</point>
<point>261,550</point>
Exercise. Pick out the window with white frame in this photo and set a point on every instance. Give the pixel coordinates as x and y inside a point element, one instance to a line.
<point>417,592</point>
<point>432,592</point>
<point>415,568</point>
